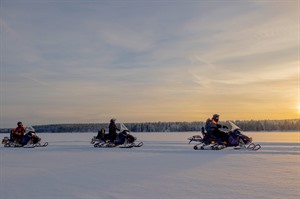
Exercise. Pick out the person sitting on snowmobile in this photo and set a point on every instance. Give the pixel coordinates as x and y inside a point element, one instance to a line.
<point>113,130</point>
<point>208,137</point>
<point>102,136</point>
<point>213,128</point>
<point>18,133</point>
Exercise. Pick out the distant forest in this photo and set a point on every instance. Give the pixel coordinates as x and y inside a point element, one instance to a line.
<point>250,125</point>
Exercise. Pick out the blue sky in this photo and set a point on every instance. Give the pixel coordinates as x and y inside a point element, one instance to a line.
<point>87,61</point>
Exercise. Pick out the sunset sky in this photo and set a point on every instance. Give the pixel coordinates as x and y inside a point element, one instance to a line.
<point>76,61</point>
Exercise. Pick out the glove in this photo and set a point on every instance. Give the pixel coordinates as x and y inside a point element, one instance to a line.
<point>225,127</point>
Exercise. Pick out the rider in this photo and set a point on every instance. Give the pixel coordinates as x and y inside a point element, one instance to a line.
<point>102,136</point>
<point>113,130</point>
<point>212,126</point>
<point>18,132</point>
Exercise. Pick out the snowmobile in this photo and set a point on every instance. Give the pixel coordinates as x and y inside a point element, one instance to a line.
<point>124,139</point>
<point>29,140</point>
<point>235,139</point>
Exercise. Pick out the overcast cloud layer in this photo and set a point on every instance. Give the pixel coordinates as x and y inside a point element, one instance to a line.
<point>87,61</point>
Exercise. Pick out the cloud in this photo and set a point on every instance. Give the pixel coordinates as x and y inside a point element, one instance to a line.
<point>150,59</point>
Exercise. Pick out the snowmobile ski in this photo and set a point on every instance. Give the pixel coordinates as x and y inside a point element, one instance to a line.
<point>31,145</point>
<point>132,145</point>
<point>138,145</point>
<point>254,146</point>
<point>100,144</point>
<point>111,145</point>
<point>28,146</point>
<point>41,145</point>
<point>251,147</point>
<point>126,146</point>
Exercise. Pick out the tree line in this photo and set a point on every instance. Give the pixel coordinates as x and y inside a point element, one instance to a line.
<point>249,125</point>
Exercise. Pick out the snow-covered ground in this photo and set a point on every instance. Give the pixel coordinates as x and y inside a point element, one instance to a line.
<point>165,167</point>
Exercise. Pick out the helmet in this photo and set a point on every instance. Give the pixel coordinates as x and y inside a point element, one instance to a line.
<point>113,120</point>
<point>215,117</point>
<point>19,124</point>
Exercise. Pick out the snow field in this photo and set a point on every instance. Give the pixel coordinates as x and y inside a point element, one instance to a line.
<point>165,167</point>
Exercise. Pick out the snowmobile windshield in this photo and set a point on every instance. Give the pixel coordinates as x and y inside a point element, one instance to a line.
<point>234,126</point>
<point>28,129</point>
<point>123,127</point>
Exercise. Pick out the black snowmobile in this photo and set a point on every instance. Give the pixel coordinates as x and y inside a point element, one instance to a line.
<point>29,140</point>
<point>235,138</point>
<point>124,139</point>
